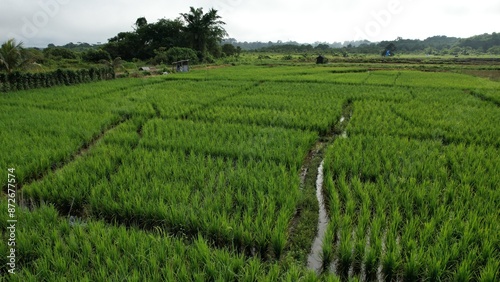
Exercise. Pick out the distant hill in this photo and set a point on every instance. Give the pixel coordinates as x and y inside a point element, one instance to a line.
<point>79,47</point>
<point>484,43</point>
<point>441,44</point>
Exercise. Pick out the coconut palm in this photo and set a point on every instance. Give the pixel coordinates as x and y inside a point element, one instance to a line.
<point>203,29</point>
<point>13,56</point>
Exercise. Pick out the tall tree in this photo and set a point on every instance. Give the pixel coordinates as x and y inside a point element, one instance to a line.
<point>141,22</point>
<point>13,56</point>
<point>203,30</point>
<point>146,38</point>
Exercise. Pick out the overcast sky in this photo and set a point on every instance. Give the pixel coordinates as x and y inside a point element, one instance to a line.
<point>40,22</point>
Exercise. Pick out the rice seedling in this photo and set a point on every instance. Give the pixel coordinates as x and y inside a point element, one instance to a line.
<point>345,252</point>
<point>371,259</point>
<point>390,265</point>
<point>358,253</point>
<point>463,272</point>
<point>412,266</point>
<point>327,249</point>
<point>491,271</point>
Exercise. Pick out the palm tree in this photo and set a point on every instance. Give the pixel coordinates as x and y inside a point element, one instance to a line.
<point>203,29</point>
<point>13,56</point>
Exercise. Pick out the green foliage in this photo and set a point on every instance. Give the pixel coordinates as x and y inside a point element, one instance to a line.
<point>24,81</point>
<point>495,50</point>
<point>176,54</point>
<point>201,32</point>
<point>146,38</point>
<point>59,53</point>
<point>13,56</point>
<point>50,244</point>
<point>481,42</point>
<point>204,31</point>
<point>230,50</point>
<point>96,56</point>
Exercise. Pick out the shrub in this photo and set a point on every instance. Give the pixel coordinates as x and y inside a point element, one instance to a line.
<point>19,81</point>
<point>59,53</point>
<point>95,56</point>
<point>176,54</point>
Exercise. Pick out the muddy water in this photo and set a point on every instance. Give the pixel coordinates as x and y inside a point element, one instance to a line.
<point>314,260</point>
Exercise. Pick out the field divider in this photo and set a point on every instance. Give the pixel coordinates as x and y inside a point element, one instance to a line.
<point>77,212</point>
<point>483,97</point>
<point>305,226</point>
<point>185,116</point>
<point>38,175</point>
<point>396,78</point>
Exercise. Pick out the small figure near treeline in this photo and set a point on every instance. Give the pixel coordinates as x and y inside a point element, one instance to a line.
<point>389,50</point>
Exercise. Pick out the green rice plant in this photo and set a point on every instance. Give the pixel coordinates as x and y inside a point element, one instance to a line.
<point>229,140</point>
<point>358,253</point>
<point>487,251</point>
<point>491,271</point>
<point>376,232</point>
<point>99,251</point>
<point>408,242</point>
<point>331,278</point>
<point>371,260</point>
<point>350,211</point>
<point>412,267</point>
<point>327,248</point>
<point>51,137</point>
<point>390,265</point>
<point>436,266</point>
<point>343,188</point>
<point>346,245</point>
<point>464,272</point>
<point>446,80</point>
<point>294,273</point>
<point>345,257</point>
<point>282,104</point>
<point>279,236</point>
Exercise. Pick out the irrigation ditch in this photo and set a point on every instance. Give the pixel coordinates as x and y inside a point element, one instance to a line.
<point>311,219</point>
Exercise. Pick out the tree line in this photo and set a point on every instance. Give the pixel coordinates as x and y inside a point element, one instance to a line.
<point>201,32</point>
<point>201,37</point>
<point>435,45</point>
<point>194,35</point>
